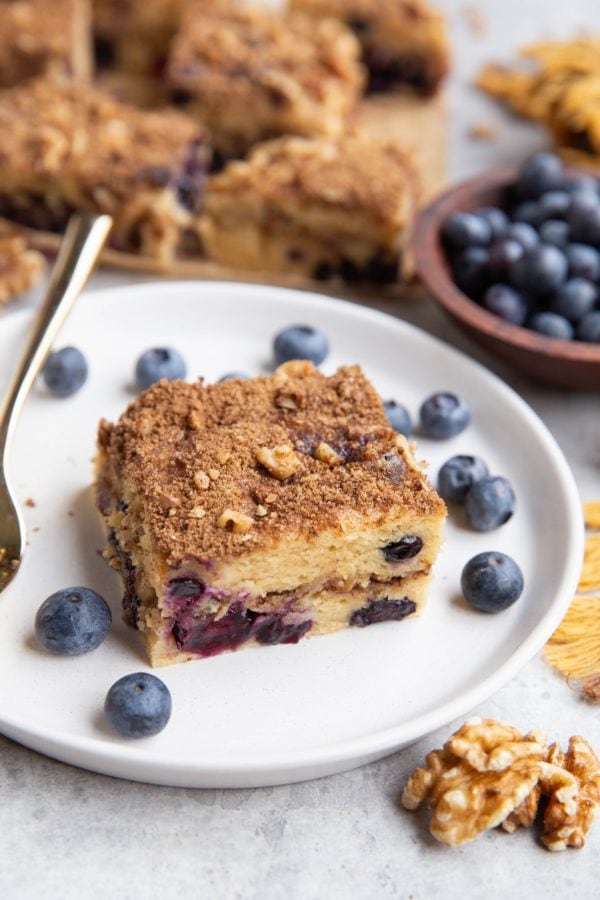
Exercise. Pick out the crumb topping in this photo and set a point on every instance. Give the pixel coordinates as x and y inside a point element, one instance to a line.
<point>154,453</point>
<point>407,13</point>
<point>59,130</point>
<point>222,50</point>
<point>354,172</point>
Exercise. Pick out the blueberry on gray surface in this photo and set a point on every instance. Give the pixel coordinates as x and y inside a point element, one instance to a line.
<point>65,371</point>
<point>496,219</point>
<point>138,705</point>
<point>458,475</point>
<point>407,547</point>
<point>552,325</point>
<point>464,229</point>
<point>398,417</point>
<point>588,329</point>
<point>556,232</point>
<point>506,303</point>
<point>524,234</point>
<point>157,363</point>
<point>584,261</point>
<point>489,503</point>
<point>491,582</point>
<point>540,173</point>
<point>574,299</point>
<point>470,270</point>
<point>72,621</point>
<point>233,376</point>
<point>540,270</point>
<point>502,255</point>
<point>444,415</point>
<point>300,342</point>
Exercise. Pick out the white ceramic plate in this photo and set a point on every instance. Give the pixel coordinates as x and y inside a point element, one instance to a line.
<point>284,713</point>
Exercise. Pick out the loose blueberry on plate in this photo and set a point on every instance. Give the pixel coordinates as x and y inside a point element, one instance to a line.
<point>458,475</point>
<point>489,503</point>
<point>72,621</point>
<point>588,328</point>
<point>138,705</point>
<point>157,363</point>
<point>300,342</point>
<point>506,303</point>
<point>491,582</point>
<point>444,415</point>
<point>552,325</point>
<point>574,299</point>
<point>398,417</point>
<point>463,229</point>
<point>233,376</point>
<point>65,371</point>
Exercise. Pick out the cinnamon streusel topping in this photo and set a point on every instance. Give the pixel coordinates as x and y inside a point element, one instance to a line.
<point>175,430</point>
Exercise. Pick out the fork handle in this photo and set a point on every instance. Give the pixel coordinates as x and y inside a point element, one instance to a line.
<point>84,238</point>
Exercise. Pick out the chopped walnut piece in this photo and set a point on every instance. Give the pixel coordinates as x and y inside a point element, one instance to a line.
<point>295,368</point>
<point>236,521</point>
<point>282,462</point>
<point>197,512</point>
<point>223,456</point>
<point>571,808</point>
<point>325,453</point>
<point>287,399</point>
<point>261,511</point>
<point>213,474</point>
<point>201,480</point>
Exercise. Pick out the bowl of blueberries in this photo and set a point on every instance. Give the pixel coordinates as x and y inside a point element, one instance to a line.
<point>514,257</point>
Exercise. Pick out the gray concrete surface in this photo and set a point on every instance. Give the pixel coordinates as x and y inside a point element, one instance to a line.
<point>66,834</point>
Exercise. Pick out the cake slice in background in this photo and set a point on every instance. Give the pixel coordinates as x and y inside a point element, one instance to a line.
<point>44,37</point>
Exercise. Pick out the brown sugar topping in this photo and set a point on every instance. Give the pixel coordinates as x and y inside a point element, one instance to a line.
<point>153,452</point>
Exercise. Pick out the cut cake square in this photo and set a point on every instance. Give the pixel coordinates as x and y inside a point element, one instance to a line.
<point>404,42</point>
<point>44,37</point>
<point>252,74</point>
<point>318,207</point>
<point>70,147</point>
<point>257,512</point>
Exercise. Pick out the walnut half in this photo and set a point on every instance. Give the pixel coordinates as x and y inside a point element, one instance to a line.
<point>489,774</point>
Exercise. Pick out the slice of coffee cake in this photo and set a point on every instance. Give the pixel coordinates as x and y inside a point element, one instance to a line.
<point>39,37</point>
<point>252,74</point>
<point>257,512</point>
<point>68,146</point>
<point>316,207</point>
<point>404,42</point>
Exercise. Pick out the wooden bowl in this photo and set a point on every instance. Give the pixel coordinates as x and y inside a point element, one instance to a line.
<point>571,364</point>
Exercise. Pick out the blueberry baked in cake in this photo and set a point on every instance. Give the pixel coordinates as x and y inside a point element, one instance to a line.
<point>252,74</point>
<point>44,37</point>
<point>68,146</point>
<point>259,512</point>
<point>404,42</point>
<point>322,208</point>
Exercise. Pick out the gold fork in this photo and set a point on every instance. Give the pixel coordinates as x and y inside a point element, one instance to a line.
<point>84,238</point>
